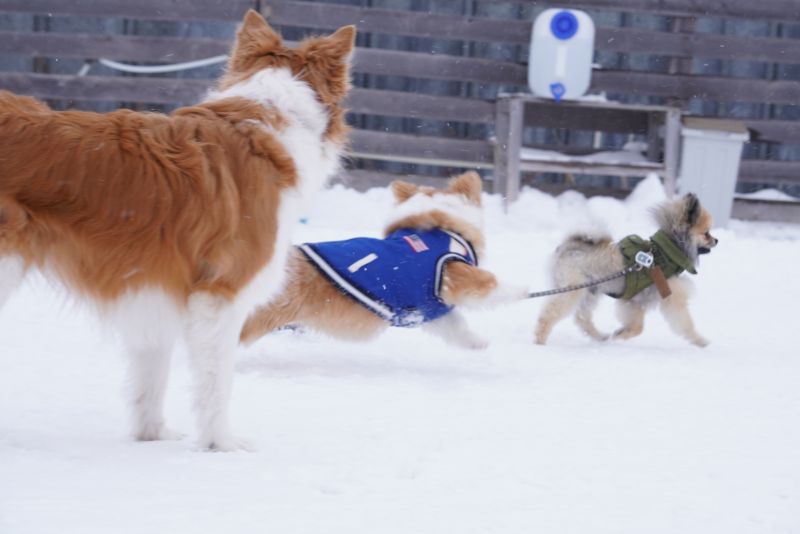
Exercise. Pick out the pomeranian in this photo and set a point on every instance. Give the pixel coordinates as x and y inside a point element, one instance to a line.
<point>684,234</point>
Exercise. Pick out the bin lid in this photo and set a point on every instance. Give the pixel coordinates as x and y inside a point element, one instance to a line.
<point>724,128</point>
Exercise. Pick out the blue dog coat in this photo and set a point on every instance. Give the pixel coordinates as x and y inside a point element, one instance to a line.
<point>399,277</point>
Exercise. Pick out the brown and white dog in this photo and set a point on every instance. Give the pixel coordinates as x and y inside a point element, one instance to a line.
<point>312,299</point>
<point>685,231</point>
<point>177,224</point>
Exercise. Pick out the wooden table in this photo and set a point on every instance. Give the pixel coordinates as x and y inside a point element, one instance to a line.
<point>661,126</point>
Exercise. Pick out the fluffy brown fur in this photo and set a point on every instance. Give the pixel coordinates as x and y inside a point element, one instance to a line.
<point>183,204</point>
<point>581,258</point>
<point>126,199</point>
<point>312,300</point>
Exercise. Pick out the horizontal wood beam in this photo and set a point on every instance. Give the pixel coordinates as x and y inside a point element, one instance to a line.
<point>766,210</point>
<point>587,118</point>
<point>769,172</point>
<point>697,87</point>
<point>179,10</point>
<point>439,67</point>
<point>363,179</point>
<point>420,106</point>
<point>110,46</point>
<point>105,88</point>
<point>774,130</point>
<point>698,45</point>
<point>442,151</point>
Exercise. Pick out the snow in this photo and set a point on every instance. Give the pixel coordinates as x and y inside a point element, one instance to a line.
<point>610,157</point>
<point>405,434</point>
<point>768,194</point>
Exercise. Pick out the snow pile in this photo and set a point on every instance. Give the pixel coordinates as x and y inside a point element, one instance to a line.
<point>406,434</point>
<point>608,157</point>
<point>768,194</point>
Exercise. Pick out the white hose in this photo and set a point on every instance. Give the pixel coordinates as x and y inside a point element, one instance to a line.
<point>157,69</point>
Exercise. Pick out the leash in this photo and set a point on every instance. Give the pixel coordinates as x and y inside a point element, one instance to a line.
<point>643,260</point>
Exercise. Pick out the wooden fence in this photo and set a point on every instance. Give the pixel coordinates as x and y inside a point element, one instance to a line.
<point>427,72</point>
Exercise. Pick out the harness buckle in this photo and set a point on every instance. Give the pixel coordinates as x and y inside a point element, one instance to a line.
<point>644,260</point>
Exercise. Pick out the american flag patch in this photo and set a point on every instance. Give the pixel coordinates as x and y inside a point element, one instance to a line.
<point>416,242</point>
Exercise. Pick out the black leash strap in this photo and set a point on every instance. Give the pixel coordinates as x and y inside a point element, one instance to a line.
<point>624,272</point>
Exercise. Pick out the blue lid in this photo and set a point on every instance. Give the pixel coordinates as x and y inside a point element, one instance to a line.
<point>558,90</point>
<point>564,25</point>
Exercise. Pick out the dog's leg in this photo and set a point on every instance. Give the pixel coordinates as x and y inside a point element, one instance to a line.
<point>212,332</point>
<point>584,317</point>
<point>12,270</point>
<point>265,319</point>
<point>149,372</point>
<point>453,328</point>
<point>631,315</point>
<point>554,311</point>
<point>149,324</point>
<point>675,309</point>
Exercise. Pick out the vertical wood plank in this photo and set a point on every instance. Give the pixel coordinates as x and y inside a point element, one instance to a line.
<point>672,143</point>
<point>508,134</point>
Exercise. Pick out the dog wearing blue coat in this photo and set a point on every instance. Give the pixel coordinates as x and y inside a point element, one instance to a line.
<point>425,267</point>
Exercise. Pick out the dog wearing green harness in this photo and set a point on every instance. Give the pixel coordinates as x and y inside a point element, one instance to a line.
<point>684,234</point>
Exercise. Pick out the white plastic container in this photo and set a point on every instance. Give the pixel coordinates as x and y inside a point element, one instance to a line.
<point>561,54</point>
<point>710,156</point>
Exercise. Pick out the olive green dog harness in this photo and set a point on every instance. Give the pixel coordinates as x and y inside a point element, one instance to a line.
<point>666,254</point>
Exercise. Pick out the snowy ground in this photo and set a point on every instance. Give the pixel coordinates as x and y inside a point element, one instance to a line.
<point>406,435</point>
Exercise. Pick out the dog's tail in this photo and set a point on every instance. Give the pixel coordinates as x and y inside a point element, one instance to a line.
<point>587,239</point>
<point>572,259</point>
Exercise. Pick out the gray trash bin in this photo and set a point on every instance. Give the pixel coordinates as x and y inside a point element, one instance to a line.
<point>710,154</point>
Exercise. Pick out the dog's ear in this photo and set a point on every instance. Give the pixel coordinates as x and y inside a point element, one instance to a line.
<point>692,208</point>
<point>468,184</point>
<point>327,63</point>
<point>403,190</point>
<point>255,38</point>
<point>339,45</point>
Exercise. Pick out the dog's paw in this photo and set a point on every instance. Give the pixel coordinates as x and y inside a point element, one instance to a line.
<point>625,333</point>
<point>158,433</point>
<point>700,342</point>
<point>226,444</point>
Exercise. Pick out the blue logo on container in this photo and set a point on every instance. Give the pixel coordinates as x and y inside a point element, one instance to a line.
<point>558,90</point>
<point>564,25</point>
